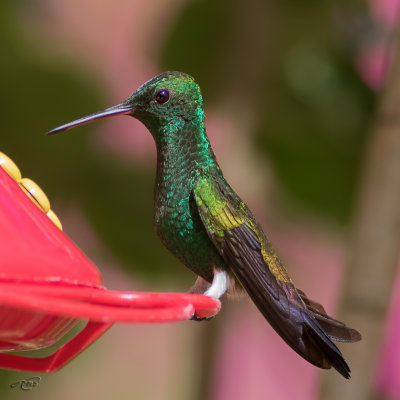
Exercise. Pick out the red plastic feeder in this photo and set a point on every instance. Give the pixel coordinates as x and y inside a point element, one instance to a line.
<point>47,284</point>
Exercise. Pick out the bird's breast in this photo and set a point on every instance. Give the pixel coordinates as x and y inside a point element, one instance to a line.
<point>179,227</point>
<point>174,222</point>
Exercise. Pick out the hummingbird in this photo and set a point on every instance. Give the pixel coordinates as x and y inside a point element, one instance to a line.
<point>208,227</point>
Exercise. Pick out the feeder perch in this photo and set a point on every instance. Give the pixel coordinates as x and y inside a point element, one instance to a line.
<point>47,284</point>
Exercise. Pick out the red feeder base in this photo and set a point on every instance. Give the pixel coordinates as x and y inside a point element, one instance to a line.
<point>47,285</point>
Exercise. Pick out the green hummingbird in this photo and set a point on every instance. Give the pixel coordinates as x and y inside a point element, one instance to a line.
<point>205,224</point>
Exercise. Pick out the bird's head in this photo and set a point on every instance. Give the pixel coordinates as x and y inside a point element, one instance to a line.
<point>164,104</point>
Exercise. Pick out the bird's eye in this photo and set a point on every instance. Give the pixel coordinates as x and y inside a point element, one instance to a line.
<point>162,96</point>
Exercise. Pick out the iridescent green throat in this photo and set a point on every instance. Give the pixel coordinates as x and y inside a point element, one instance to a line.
<point>184,142</point>
<point>182,156</point>
<point>183,152</point>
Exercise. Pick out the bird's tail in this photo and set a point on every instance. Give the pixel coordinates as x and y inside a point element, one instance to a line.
<point>333,328</point>
<point>304,325</point>
<point>301,322</point>
<point>321,329</point>
<point>310,334</point>
<point>320,350</point>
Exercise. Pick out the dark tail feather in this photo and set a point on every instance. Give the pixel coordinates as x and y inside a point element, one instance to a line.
<point>333,328</point>
<point>320,344</point>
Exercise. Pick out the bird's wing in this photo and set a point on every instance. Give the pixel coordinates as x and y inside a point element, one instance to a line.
<point>248,253</point>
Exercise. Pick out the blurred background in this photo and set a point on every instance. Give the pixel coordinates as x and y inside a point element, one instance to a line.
<point>291,91</point>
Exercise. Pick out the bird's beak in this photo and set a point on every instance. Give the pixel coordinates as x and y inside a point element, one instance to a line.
<point>122,108</point>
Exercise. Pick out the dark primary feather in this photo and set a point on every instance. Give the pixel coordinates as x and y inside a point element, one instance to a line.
<point>279,303</point>
<point>301,322</point>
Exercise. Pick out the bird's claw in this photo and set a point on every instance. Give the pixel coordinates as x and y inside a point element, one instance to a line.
<point>196,318</point>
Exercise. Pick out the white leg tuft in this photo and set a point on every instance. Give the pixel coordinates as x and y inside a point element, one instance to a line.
<point>219,284</point>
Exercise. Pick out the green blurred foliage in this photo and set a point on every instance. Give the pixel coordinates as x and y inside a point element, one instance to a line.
<point>197,42</point>
<point>317,143</point>
<point>37,96</point>
<point>312,109</point>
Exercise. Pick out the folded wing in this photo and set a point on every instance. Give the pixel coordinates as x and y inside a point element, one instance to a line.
<point>301,322</point>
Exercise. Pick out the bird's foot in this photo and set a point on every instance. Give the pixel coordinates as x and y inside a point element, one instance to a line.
<point>216,290</point>
<point>199,319</point>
